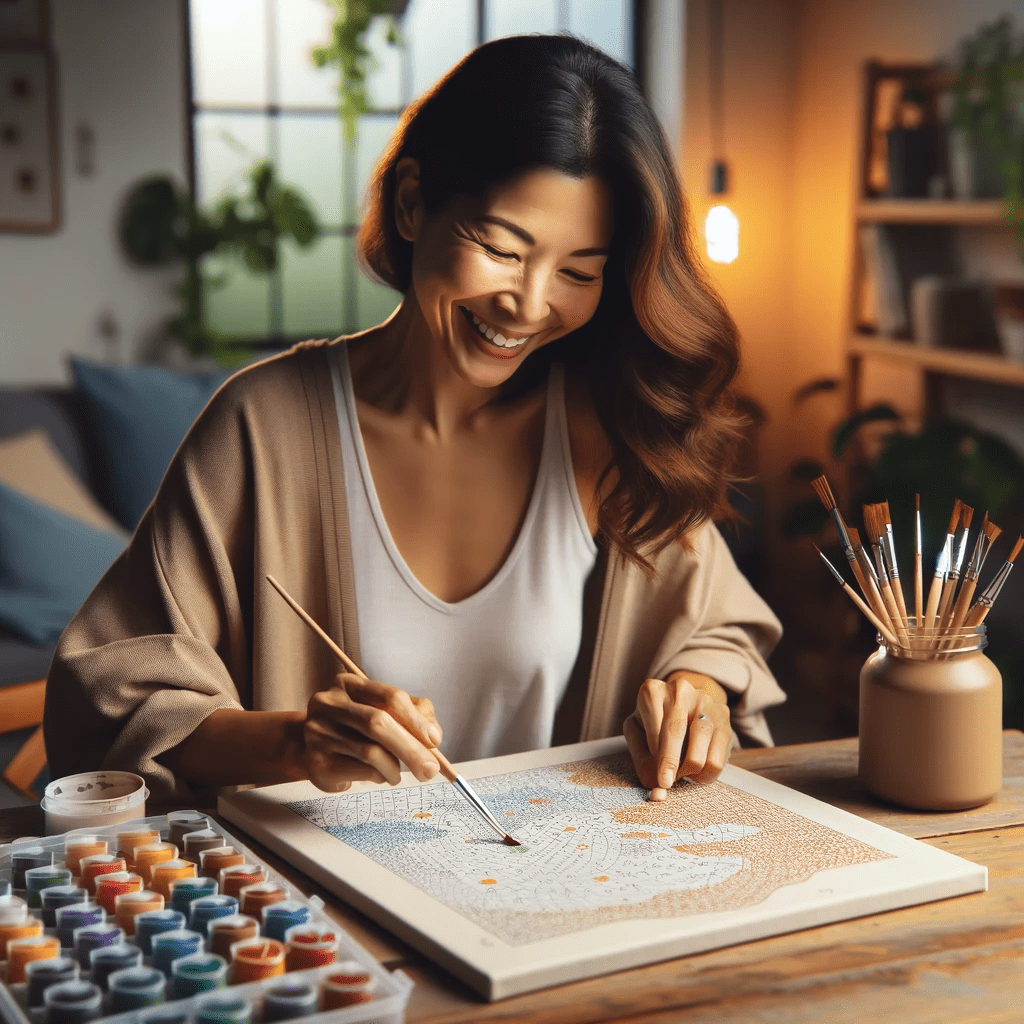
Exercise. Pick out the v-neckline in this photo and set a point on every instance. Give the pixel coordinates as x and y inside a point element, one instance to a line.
<point>411,580</point>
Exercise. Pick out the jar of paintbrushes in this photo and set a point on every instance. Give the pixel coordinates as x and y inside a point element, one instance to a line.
<point>930,733</point>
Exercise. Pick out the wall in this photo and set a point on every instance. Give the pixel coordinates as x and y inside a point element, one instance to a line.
<point>791,109</point>
<point>120,71</point>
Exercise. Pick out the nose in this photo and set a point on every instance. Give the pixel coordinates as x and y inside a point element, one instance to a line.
<point>528,299</point>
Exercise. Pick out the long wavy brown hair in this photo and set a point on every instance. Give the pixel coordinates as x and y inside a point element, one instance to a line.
<point>661,352</point>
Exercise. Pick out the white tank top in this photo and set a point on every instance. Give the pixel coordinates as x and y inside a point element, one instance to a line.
<point>496,663</point>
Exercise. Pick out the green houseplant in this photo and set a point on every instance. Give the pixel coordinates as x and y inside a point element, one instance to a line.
<point>161,225</point>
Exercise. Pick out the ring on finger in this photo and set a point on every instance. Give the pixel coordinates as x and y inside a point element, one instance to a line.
<point>702,718</point>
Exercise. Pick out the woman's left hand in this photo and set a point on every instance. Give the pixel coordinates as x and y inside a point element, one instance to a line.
<point>680,729</point>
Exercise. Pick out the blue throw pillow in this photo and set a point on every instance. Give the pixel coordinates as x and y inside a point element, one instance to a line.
<point>48,564</point>
<point>142,414</point>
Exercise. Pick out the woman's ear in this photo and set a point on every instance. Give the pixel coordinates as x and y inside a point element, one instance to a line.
<point>408,201</point>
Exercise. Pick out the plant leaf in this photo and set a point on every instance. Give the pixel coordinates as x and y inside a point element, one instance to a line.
<point>846,430</point>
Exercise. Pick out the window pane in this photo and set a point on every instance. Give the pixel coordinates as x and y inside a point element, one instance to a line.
<point>374,302</point>
<point>384,79</point>
<point>229,51</point>
<point>438,33</point>
<point>301,25</point>
<point>309,148</point>
<point>372,135</point>
<point>241,306</point>
<point>514,17</point>
<point>606,25</point>
<point>311,288</point>
<point>227,145</point>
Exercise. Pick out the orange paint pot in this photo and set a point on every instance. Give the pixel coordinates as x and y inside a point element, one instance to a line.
<point>96,864</point>
<point>168,871</point>
<point>109,887</point>
<point>82,846</point>
<point>256,959</point>
<point>233,879</point>
<point>128,840</point>
<point>27,927</point>
<point>150,854</point>
<point>346,988</point>
<point>129,905</point>
<point>253,898</point>
<point>224,932</point>
<point>213,860</point>
<point>32,947</point>
<point>310,945</point>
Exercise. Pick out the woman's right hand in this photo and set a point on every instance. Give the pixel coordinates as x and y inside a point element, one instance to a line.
<point>360,729</point>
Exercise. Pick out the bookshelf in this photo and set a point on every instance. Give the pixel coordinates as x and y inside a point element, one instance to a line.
<point>936,222</point>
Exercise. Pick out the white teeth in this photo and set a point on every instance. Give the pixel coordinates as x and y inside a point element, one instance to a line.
<point>490,332</point>
<point>493,336</point>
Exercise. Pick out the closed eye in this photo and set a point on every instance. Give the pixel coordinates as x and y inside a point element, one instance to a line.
<point>584,278</point>
<point>499,252</point>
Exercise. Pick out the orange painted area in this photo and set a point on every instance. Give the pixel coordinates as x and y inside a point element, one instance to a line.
<point>569,828</point>
<point>510,814</point>
<point>635,835</point>
<point>601,878</point>
<point>540,800</point>
<point>663,835</point>
<point>582,846</point>
<point>488,881</point>
<point>423,814</point>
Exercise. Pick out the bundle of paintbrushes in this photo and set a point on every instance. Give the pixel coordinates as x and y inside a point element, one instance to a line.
<point>948,621</point>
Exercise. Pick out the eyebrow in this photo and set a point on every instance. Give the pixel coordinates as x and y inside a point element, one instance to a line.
<point>530,240</point>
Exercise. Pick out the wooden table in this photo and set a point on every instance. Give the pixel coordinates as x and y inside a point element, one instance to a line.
<point>956,960</point>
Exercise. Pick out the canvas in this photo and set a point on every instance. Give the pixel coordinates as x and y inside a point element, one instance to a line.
<point>605,879</point>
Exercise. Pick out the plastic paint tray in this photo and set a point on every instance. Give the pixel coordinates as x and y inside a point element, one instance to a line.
<point>392,988</point>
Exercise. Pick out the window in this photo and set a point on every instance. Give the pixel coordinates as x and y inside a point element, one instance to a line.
<point>255,93</point>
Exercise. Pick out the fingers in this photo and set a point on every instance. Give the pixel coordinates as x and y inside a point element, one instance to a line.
<point>415,714</point>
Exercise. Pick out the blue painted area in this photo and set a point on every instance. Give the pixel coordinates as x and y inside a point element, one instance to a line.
<point>377,837</point>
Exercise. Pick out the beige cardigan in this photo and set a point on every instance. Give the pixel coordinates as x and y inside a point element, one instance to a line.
<point>184,622</point>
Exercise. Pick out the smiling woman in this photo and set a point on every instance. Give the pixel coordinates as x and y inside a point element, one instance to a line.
<point>499,500</point>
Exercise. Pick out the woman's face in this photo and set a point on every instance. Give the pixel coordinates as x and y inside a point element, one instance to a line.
<point>496,278</point>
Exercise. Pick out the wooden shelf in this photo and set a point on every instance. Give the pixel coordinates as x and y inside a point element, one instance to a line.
<point>949,361</point>
<point>932,211</point>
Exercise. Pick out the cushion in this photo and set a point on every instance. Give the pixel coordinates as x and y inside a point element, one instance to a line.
<point>141,414</point>
<point>31,464</point>
<point>48,564</point>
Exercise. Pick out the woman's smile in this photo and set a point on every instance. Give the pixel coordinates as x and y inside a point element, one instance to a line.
<point>509,346</point>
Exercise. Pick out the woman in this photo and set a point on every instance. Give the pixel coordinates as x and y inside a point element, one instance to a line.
<point>498,501</point>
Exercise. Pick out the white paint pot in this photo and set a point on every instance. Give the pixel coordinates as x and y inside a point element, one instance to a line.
<point>91,799</point>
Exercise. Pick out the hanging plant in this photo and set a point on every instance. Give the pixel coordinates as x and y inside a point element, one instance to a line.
<point>348,52</point>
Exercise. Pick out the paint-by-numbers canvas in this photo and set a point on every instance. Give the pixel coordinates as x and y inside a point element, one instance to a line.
<point>605,879</point>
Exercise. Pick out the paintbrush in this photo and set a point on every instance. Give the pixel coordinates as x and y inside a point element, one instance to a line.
<point>446,768</point>
<point>871,525</point>
<point>872,617</point>
<point>959,549</point>
<point>918,582</point>
<point>983,605</point>
<point>986,537</point>
<point>871,592</point>
<point>884,521</point>
<point>942,564</point>
<point>824,493</point>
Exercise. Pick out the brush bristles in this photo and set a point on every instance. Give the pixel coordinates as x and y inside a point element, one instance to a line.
<point>966,515</point>
<point>854,536</point>
<point>824,492</point>
<point>992,531</point>
<point>1016,550</point>
<point>954,519</point>
<point>917,502</point>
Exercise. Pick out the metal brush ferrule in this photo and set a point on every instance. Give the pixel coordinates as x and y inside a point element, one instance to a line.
<point>889,545</point>
<point>879,562</point>
<point>844,537</point>
<point>961,550</point>
<point>991,592</point>
<point>945,557</point>
<point>467,791</point>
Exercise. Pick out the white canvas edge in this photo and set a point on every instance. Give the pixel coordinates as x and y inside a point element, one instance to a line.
<point>498,970</point>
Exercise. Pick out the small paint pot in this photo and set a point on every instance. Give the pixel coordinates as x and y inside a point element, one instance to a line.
<point>346,988</point>
<point>90,868</point>
<point>41,974</point>
<point>31,947</point>
<point>216,858</point>
<point>75,916</point>
<point>203,910</point>
<point>200,972</point>
<point>201,839</point>
<point>253,898</point>
<point>167,872</point>
<point>233,879</point>
<point>130,839</point>
<point>224,932</point>
<point>149,855</point>
<point>153,922</point>
<point>287,998</point>
<point>180,823</point>
<point>77,847</point>
<point>5,887</point>
<point>129,905</point>
<point>185,891</point>
<point>12,909</point>
<point>310,945</point>
<point>27,857</point>
<point>170,1013</point>
<point>93,800</point>
<point>59,896</point>
<point>224,1009</point>
<point>93,936</point>
<point>135,988</point>
<point>24,928</point>
<point>171,945</point>
<point>109,887</point>
<point>43,877</point>
<point>279,917</point>
<point>72,1002</point>
<point>107,959</point>
<point>256,959</point>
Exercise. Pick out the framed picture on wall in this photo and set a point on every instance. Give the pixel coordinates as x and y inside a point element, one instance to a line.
<point>24,22</point>
<point>29,171</point>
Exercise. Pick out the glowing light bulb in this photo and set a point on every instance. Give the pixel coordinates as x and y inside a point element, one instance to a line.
<point>722,231</point>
